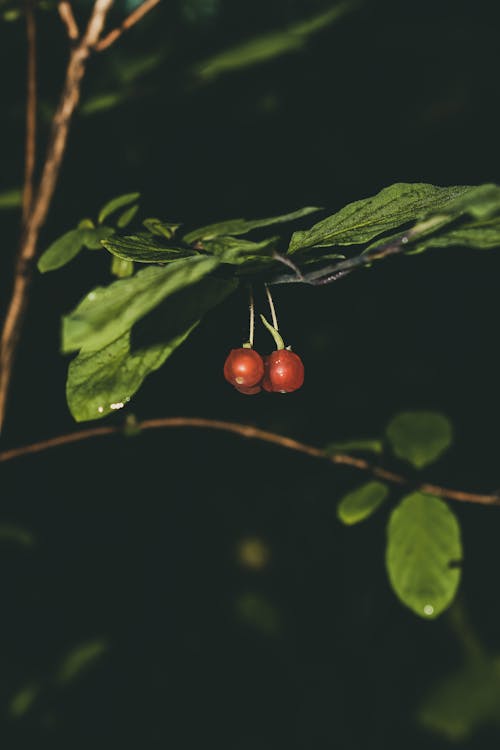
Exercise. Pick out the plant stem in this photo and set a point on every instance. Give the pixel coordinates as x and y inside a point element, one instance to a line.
<point>30,139</point>
<point>248,431</point>
<point>251,307</point>
<point>272,308</point>
<point>130,21</point>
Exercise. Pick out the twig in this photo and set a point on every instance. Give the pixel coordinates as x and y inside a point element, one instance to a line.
<point>248,431</point>
<point>271,307</point>
<point>39,200</point>
<point>130,21</point>
<point>30,139</point>
<point>68,19</point>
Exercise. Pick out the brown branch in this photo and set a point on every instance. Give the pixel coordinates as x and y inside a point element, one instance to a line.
<point>30,139</point>
<point>130,21</point>
<point>248,431</point>
<point>68,19</point>
<point>43,197</point>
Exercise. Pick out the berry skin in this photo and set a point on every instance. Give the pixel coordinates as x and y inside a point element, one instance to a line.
<point>248,391</point>
<point>244,368</point>
<point>284,372</point>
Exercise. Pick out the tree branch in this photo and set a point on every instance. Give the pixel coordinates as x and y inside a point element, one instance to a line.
<point>30,139</point>
<point>248,431</point>
<point>130,21</point>
<point>68,19</point>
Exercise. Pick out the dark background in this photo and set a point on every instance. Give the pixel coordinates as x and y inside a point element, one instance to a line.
<point>136,541</point>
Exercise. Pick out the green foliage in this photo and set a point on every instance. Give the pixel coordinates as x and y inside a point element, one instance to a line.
<point>394,206</point>
<point>423,555</point>
<point>262,48</point>
<point>79,659</point>
<point>146,248</point>
<point>10,199</point>
<point>112,365</point>
<point>115,204</point>
<point>362,502</point>
<point>62,251</point>
<point>257,612</point>
<point>419,437</point>
<point>22,701</point>
<point>18,535</point>
<point>235,227</point>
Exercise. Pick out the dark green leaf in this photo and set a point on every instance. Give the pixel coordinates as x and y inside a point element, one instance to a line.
<point>346,446</point>
<point>365,219</point>
<point>22,701</point>
<point>62,251</point>
<point>79,659</point>
<point>237,251</point>
<point>11,533</point>
<point>361,502</point>
<point>465,701</point>
<point>126,217</point>
<point>481,235</point>
<point>165,229</point>
<point>268,46</point>
<point>106,313</point>
<point>242,226</point>
<point>423,549</point>
<point>419,437</point>
<point>103,381</point>
<point>144,248</point>
<point>119,202</point>
<point>10,199</point>
<point>257,612</point>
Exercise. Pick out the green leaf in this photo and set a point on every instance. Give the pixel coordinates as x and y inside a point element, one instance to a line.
<point>103,381</point>
<point>464,702</point>
<point>262,48</point>
<point>62,251</point>
<point>419,437</point>
<point>93,237</point>
<point>119,202</point>
<point>361,502</point>
<point>346,446</point>
<point>10,199</point>
<point>480,235</point>
<point>79,659</point>
<point>22,701</point>
<point>237,251</point>
<point>423,554</point>
<point>11,533</point>
<point>143,248</point>
<point>165,229</point>
<point>126,217</point>
<point>120,268</point>
<point>242,226</point>
<point>106,313</point>
<point>394,206</point>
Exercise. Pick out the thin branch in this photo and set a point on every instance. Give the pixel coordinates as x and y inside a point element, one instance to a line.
<point>127,24</point>
<point>42,199</point>
<point>271,307</point>
<point>30,139</point>
<point>68,19</point>
<point>251,315</point>
<point>254,433</point>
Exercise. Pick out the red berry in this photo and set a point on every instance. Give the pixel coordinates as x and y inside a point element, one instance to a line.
<point>244,368</point>
<point>284,372</point>
<point>248,391</point>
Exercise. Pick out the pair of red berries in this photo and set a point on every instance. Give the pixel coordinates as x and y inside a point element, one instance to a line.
<point>281,372</point>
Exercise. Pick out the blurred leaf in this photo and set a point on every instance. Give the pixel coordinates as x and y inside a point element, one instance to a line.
<point>21,702</point>
<point>419,437</point>
<point>103,381</point>
<point>11,533</point>
<point>79,659</point>
<point>242,226</point>
<point>392,207</point>
<point>259,613</point>
<point>464,702</point>
<point>143,248</point>
<point>93,237</point>
<point>423,549</point>
<point>262,48</point>
<point>165,229</point>
<point>119,202</point>
<point>345,446</point>
<point>102,102</point>
<point>126,217</point>
<point>120,268</point>
<point>106,313</point>
<point>236,251</point>
<point>62,251</point>
<point>10,199</point>
<point>362,502</point>
<point>482,235</point>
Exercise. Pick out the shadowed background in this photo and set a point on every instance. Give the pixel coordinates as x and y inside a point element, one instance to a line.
<point>137,546</point>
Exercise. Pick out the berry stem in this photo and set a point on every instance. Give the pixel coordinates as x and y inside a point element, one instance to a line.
<point>280,344</point>
<point>272,308</point>
<point>251,328</point>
